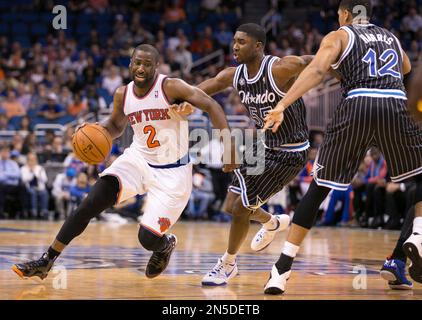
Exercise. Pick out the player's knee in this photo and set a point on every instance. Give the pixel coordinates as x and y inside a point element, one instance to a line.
<point>238,210</point>
<point>227,208</point>
<point>149,240</point>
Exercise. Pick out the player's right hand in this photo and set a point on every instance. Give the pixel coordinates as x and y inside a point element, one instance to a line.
<point>184,109</point>
<point>274,119</point>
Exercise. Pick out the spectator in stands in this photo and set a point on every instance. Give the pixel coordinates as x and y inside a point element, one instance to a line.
<point>211,156</point>
<point>67,139</point>
<point>112,81</point>
<point>395,204</point>
<point>66,97</point>
<point>80,64</point>
<point>184,58</point>
<point>52,110</point>
<point>375,189</point>
<point>414,53</point>
<point>72,82</point>
<point>30,144</point>
<point>16,64</point>
<point>12,106</point>
<point>17,143</point>
<point>25,124</point>
<point>202,194</point>
<point>359,189</point>
<point>412,22</point>
<point>79,190</point>
<point>40,97</point>
<point>55,152</point>
<point>4,122</point>
<point>176,68</point>
<point>161,42</point>
<point>61,192</point>
<point>79,107</point>
<point>73,162</point>
<point>25,92</point>
<point>163,67</point>
<point>336,197</point>
<point>173,13</point>
<point>10,180</point>
<point>35,179</point>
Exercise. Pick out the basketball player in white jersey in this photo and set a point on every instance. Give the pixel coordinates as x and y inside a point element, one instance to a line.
<point>156,163</point>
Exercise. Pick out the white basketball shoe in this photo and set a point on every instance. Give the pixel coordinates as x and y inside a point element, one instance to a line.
<point>220,274</point>
<point>264,237</point>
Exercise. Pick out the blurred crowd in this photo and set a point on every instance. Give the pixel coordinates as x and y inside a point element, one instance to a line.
<point>52,77</point>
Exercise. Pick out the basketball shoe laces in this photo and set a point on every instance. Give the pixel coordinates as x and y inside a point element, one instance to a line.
<point>158,257</point>
<point>42,262</point>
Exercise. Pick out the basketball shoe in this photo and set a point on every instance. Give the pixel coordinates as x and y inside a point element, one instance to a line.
<point>39,268</point>
<point>160,259</point>
<point>394,271</point>
<point>413,249</point>
<point>264,237</point>
<point>220,274</point>
<point>276,284</point>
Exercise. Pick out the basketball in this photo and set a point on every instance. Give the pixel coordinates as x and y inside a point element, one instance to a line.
<point>92,143</point>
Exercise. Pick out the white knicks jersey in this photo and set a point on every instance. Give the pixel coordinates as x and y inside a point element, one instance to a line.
<point>160,134</point>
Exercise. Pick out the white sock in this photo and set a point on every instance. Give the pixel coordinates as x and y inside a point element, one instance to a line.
<point>271,224</point>
<point>417,225</point>
<point>290,249</point>
<point>229,258</point>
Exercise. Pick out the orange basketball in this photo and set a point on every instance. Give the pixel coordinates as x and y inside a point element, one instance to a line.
<point>92,143</point>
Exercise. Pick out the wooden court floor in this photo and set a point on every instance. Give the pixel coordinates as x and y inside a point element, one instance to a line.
<point>106,262</point>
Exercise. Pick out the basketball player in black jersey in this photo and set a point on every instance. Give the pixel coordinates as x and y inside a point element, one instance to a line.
<point>261,81</point>
<point>373,112</point>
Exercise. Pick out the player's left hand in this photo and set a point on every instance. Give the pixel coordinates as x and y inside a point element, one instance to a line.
<point>184,109</point>
<point>274,118</point>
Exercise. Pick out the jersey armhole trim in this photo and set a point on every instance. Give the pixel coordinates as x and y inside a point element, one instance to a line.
<point>236,76</point>
<point>271,77</point>
<point>124,97</point>
<point>348,48</point>
<point>166,99</point>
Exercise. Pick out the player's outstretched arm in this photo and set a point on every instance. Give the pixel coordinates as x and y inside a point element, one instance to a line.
<point>313,75</point>
<point>211,86</point>
<point>117,122</point>
<point>177,89</point>
<point>222,81</point>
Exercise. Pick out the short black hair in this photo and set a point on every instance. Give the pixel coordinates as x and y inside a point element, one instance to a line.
<point>350,5</point>
<point>255,31</point>
<point>148,48</point>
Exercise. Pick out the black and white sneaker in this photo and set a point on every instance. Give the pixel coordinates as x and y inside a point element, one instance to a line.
<point>160,259</point>
<point>276,284</point>
<point>35,268</point>
<point>413,249</point>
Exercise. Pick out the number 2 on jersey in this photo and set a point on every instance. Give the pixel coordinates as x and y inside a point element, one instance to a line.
<point>151,142</point>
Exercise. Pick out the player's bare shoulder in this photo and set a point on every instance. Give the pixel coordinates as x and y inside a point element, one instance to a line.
<point>119,96</point>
